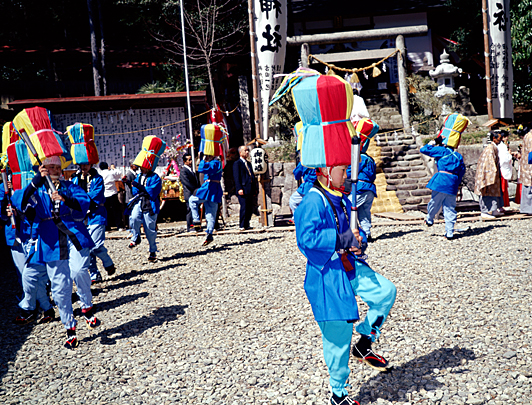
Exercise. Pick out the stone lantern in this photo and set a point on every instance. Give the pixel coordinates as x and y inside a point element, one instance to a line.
<point>444,75</point>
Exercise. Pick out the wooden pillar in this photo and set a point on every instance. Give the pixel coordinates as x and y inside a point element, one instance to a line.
<point>403,88</point>
<point>304,55</point>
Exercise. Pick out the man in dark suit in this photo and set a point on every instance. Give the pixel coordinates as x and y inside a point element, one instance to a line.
<point>246,186</point>
<point>190,184</point>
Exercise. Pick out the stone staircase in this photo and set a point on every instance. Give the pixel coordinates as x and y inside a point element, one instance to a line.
<point>405,170</point>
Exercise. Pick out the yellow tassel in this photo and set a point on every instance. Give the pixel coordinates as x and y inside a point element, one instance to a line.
<point>354,78</point>
<point>330,72</point>
<point>376,71</point>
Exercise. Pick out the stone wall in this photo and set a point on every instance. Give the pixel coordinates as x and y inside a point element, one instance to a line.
<point>402,176</point>
<point>280,185</point>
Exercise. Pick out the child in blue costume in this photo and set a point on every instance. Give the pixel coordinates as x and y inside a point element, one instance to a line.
<point>145,207</point>
<point>336,273</point>
<point>308,176</point>
<point>366,191</point>
<point>444,184</point>
<point>92,183</point>
<point>33,277</point>
<point>63,243</point>
<point>210,194</point>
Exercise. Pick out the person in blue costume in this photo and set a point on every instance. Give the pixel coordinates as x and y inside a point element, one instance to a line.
<point>91,182</point>
<point>145,207</point>
<point>444,184</point>
<point>336,273</point>
<point>33,277</point>
<point>366,191</point>
<point>63,242</point>
<point>308,177</point>
<point>209,194</point>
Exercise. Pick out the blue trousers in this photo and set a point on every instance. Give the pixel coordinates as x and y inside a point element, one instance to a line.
<point>211,208</point>
<point>61,274</point>
<point>78,261</point>
<point>376,291</point>
<point>448,202</point>
<point>19,258</point>
<point>364,203</point>
<point>34,279</point>
<point>138,218</point>
<point>295,200</point>
<point>97,233</point>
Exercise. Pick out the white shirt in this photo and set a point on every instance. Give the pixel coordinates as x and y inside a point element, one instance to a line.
<point>359,110</point>
<point>109,178</point>
<point>505,159</point>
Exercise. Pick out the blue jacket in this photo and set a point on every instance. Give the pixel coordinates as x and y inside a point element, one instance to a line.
<point>23,230</point>
<point>95,189</point>
<point>149,192</point>
<point>326,282</point>
<point>52,243</point>
<point>451,169</point>
<point>211,189</point>
<point>308,175</point>
<point>367,173</point>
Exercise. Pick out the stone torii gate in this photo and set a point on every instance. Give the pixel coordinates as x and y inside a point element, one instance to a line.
<point>367,35</point>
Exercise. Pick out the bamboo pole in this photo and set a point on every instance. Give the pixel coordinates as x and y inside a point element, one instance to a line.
<point>189,109</point>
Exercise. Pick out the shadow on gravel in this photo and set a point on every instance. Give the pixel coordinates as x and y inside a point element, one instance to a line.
<point>397,234</point>
<point>135,273</point>
<point>106,305</point>
<point>476,231</point>
<point>137,326</point>
<point>111,287</point>
<point>215,248</point>
<point>417,372</point>
<point>12,337</point>
<point>199,252</point>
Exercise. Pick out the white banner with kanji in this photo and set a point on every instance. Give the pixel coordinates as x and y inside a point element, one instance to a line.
<point>270,26</point>
<point>501,70</point>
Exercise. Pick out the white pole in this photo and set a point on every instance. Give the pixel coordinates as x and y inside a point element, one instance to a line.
<point>188,90</point>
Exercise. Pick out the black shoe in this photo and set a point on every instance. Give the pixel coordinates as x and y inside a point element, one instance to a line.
<point>48,316</point>
<point>197,226</point>
<point>208,240</point>
<point>92,321</point>
<point>345,400</point>
<point>362,351</point>
<point>110,270</point>
<point>426,223</point>
<point>72,340</point>
<point>96,278</point>
<point>152,257</point>
<point>26,317</point>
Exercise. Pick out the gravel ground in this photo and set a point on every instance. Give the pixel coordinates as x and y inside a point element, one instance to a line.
<point>230,324</point>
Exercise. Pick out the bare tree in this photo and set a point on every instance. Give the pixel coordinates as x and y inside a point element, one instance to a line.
<point>94,51</point>
<point>215,29</point>
<point>98,61</point>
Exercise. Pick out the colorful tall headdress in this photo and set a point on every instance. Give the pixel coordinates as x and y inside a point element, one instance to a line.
<point>33,119</point>
<point>9,135</point>
<point>324,104</point>
<point>83,148</point>
<point>20,164</point>
<point>452,129</point>
<point>213,140</point>
<point>37,122</point>
<point>152,149</point>
<point>366,129</point>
